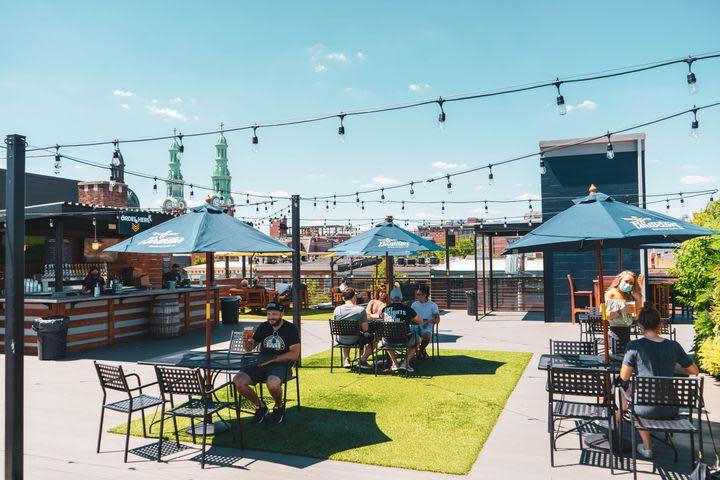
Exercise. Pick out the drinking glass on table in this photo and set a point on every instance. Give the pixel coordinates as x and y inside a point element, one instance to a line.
<point>247,336</point>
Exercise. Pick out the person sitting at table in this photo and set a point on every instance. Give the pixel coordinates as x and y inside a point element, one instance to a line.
<point>375,306</point>
<point>350,310</point>
<point>397,311</point>
<point>281,339</point>
<point>652,355</point>
<point>621,300</point>
<point>256,283</point>
<point>430,314</point>
<point>172,275</point>
<point>244,283</point>
<point>343,285</point>
<point>92,279</point>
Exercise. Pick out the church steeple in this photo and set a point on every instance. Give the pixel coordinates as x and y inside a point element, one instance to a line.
<point>221,178</point>
<point>175,185</point>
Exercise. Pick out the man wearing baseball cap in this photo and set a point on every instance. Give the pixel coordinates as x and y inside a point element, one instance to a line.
<point>277,337</point>
<point>397,311</point>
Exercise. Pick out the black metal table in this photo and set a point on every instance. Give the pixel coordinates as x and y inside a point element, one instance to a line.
<point>220,360</point>
<point>593,362</point>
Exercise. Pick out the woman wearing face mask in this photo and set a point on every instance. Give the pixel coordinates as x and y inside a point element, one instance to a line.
<point>621,300</point>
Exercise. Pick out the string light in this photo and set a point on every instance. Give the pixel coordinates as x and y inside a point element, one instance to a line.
<point>443,208</point>
<point>382,195</point>
<point>412,190</point>
<point>357,197</point>
<point>155,190</point>
<point>341,128</point>
<point>530,206</point>
<point>52,224</point>
<point>691,79</point>
<point>505,222</point>
<point>315,202</point>
<point>530,221</point>
<point>327,206</point>
<point>667,205</point>
<point>441,116</point>
<point>403,206</point>
<point>192,191</point>
<point>362,205</point>
<point>58,163</point>
<point>334,201</point>
<point>255,141</point>
<point>449,185</point>
<point>247,199</point>
<point>543,170</point>
<point>181,148</point>
<point>490,175</point>
<point>610,152</point>
<point>562,108</point>
<point>486,207</point>
<point>682,199</point>
<point>695,125</point>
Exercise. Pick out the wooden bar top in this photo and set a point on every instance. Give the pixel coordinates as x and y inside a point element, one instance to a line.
<point>51,298</point>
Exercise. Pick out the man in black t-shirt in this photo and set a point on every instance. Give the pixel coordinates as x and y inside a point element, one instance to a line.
<point>277,337</point>
<point>397,311</point>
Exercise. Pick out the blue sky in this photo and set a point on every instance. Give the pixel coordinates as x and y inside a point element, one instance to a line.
<point>75,71</point>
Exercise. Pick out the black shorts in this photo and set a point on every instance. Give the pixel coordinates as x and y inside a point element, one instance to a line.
<point>260,374</point>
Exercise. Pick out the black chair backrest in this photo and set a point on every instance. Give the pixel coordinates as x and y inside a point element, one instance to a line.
<point>236,342</point>
<point>344,327</point>
<point>180,381</point>
<point>563,347</point>
<point>578,381</point>
<point>665,328</point>
<point>396,331</point>
<point>111,377</point>
<point>667,391</point>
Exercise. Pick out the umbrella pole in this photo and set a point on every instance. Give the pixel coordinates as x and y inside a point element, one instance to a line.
<point>208,258</point>
<point>388,272</point>
<point>598,259</point>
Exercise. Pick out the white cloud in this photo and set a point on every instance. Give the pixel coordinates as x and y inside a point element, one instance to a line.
<point>122,93</point>
<point>418,87</point>
<point>165,112</point>
<point>383,181</point>
<point>355,182</point>
<point>279,193</point>
<point>584,105</point>
<point>696,179</point>
<point>526,196</point>
<point>125,106</point>
<point>337,57</point>
<point>360,56</point>
<point>319,68</point>
<point>176,100</point>
<point>440,165</point>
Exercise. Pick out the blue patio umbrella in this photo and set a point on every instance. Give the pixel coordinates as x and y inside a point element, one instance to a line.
<point>204,229</point>
<point>385,240</point>
<point>598,221</point>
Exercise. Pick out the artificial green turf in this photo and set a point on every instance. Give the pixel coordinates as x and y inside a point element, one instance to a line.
<point>437,422</point>
<point>306,314</point>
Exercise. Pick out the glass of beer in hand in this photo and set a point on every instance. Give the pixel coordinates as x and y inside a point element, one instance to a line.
<point>247,336</point>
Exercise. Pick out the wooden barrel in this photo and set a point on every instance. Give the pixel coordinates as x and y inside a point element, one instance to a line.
<point>165,319</point>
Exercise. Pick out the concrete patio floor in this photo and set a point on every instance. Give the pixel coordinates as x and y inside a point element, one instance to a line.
<point>63,397</point>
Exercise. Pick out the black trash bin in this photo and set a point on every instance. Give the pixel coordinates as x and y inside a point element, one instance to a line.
<point>472,305</point>
<point>51,337</point>
<point>230,306</point>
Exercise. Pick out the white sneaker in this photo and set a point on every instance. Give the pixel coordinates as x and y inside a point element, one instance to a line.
<point>347,363</point>
<point>394,368</point>
<point>645,453</point>
<point>409,369</point>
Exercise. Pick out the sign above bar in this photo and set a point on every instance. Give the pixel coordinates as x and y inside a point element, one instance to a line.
<point>132,223</point>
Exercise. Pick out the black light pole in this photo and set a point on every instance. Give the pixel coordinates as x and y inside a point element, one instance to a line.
<point>447,269</point>
<point>475,281</point>
<point>295,245</point>
<point>14,305</point>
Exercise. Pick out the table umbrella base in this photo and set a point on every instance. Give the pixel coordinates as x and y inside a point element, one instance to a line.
<point>212,428</point>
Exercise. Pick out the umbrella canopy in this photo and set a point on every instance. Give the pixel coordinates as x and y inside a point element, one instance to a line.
<point>202,229</point>
<point>385,239</point>
<point>598,217</point>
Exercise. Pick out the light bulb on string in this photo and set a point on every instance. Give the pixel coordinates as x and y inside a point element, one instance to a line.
<point>530,221</point>
<point>155,190</point>
<point>181,148</point>
<point>382,195</point>
<point>667,205</point>
<point>334,201</point>
<point>449,185</point>
<point>682,200</point>
<point>58,162</point>
<point>530,207</point>
<point>357,197</point>
<point>192,191</point>
<point>543,169</point>
<point>412,190</point>
<point>505,222</point>
<point>403,206</point>
<point>362,205</point>
<point>341,129</point>
<point>486,207</point>
<point>691,79</point>
<point>255,140</point>
<point>442,211</point>
<point>610,154</point>
<point>327,206</point>
<point>315,203</point>
<point>561,107</point>
<point>257,208</point>
<point>441,116</point>
<point>52,224</point>
<point>712,197</point>
<point>491,177</point>
<point>695,125</point>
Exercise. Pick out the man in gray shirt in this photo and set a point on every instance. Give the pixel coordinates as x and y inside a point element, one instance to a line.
<point>350,310</point>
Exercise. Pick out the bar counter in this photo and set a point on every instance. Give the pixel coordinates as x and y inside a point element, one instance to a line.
<point>112,317</point>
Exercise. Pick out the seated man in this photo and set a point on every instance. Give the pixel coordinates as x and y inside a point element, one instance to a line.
<point>278,337</point>
<point>244,283</point>
<point>429,312</point>
<point>351,311</point>
<point>397,311</point>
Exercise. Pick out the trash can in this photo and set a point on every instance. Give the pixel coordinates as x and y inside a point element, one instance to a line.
<point>229,307</point>
<point>472,305</point>
<point>51,337</point>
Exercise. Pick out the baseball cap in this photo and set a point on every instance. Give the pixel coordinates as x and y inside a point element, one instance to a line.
<point>275,306</point>
<point>396,293</point>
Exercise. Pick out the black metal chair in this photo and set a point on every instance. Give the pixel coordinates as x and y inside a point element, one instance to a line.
<point>681,393</point>
<point>393,336</point>
<point>345,328</point>
<point>114,378</point>
<point>570,347</point>
<point>201,404</point>
<point>435,341</point>
<point>593,327</point>
<point>293,374</point>
<point>595,385</point>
